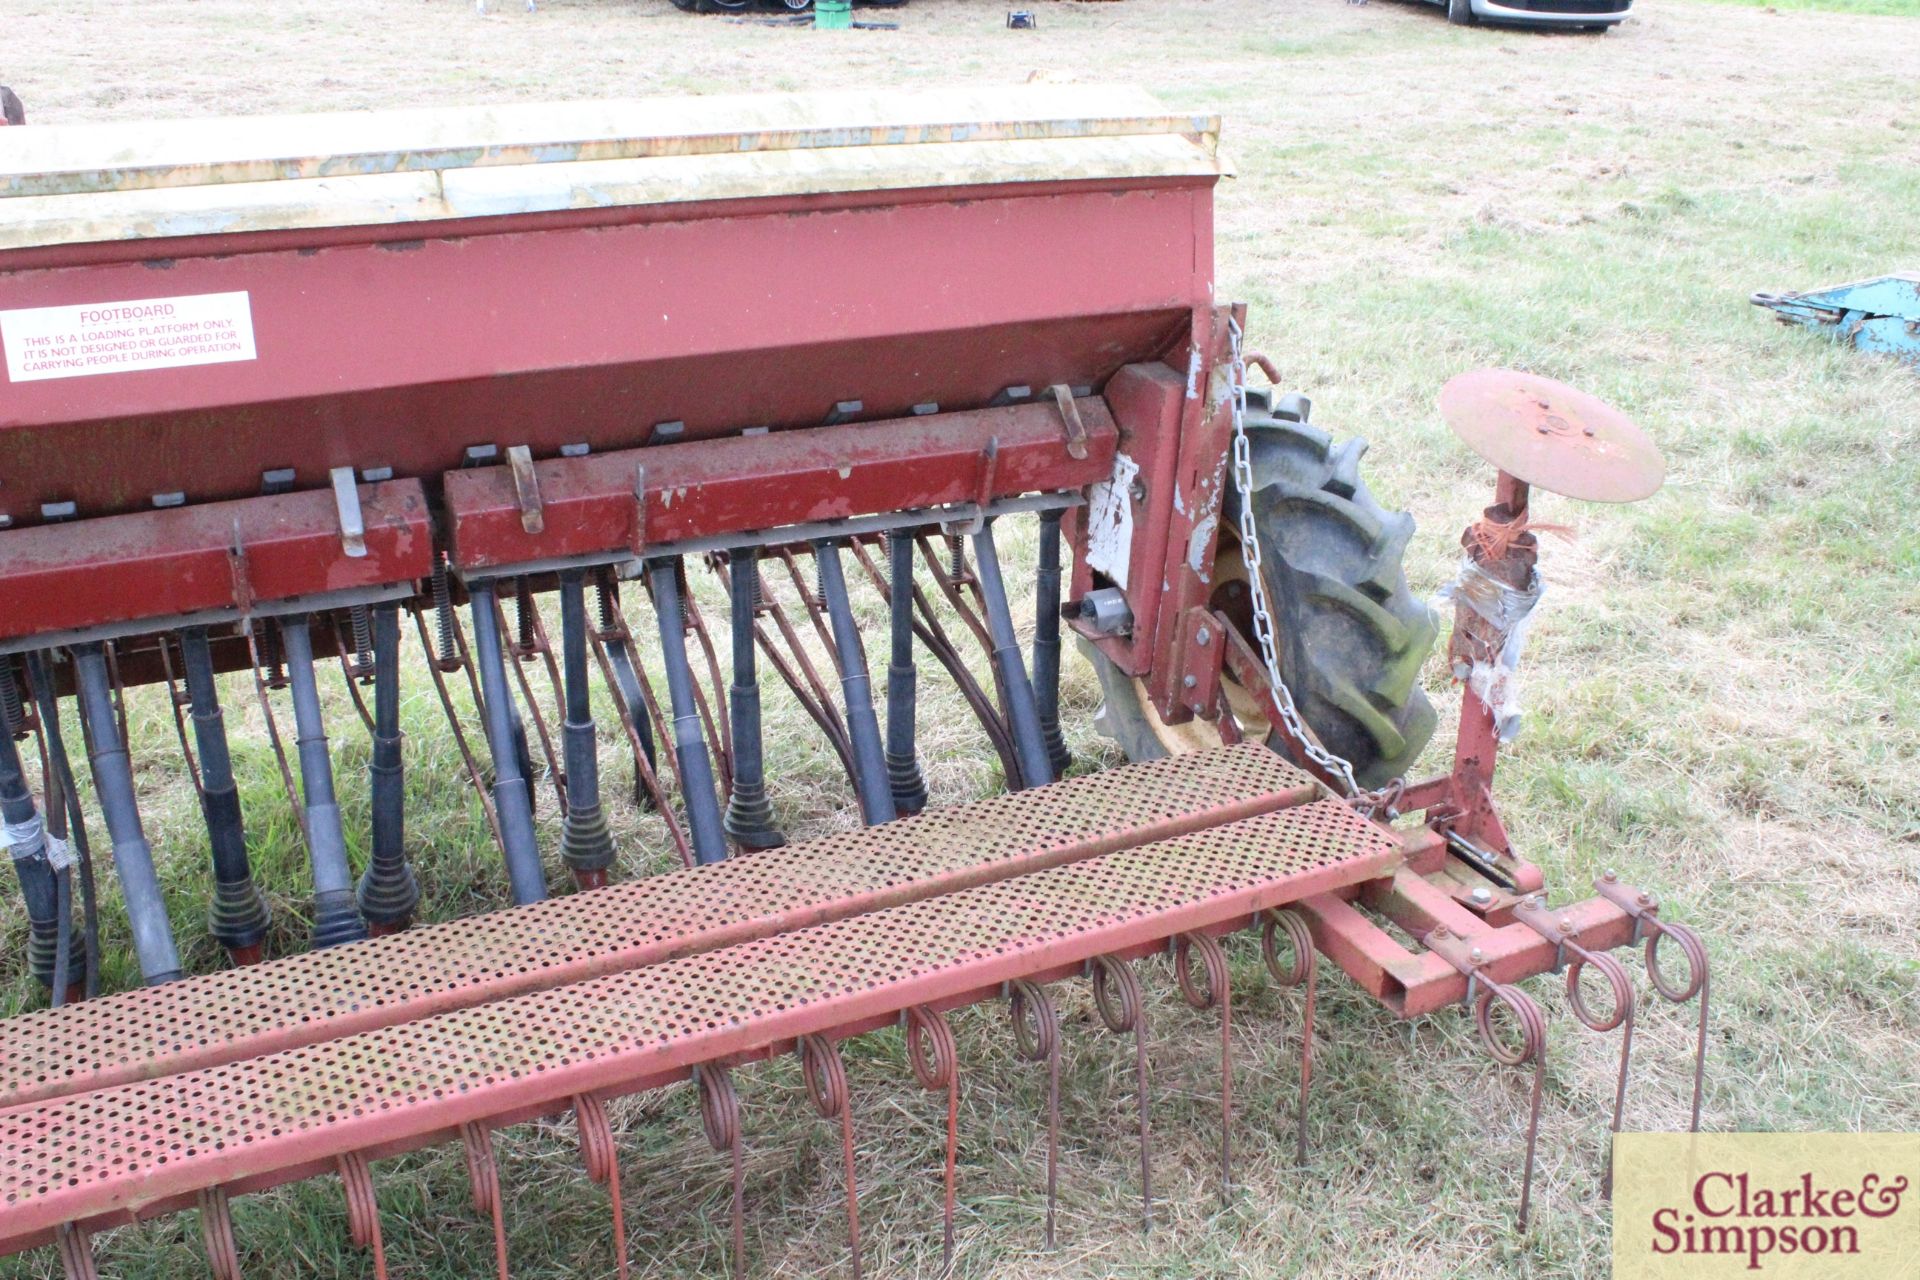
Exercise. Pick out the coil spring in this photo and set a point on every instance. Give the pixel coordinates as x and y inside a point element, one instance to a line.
<point>523,617</point>
<point>481,1170</point>
<point>930,1048</point>
<point>276,660</point>
<point>1692,948</point>
<point>1531,1022</point>
<point>449,656</point>
<point>363,1211</point>
<point>1619,988</point>
<point>216,1233</point>
<point>1299,941</point>
<point>1213,963</point>
<point>1036,1024</point>
<point>825,1075</point>
<point>606,601</point>
<point>956,557</point>
<point>1116,994</point>
<point>719,1106</point>
<point>596,1137</point>
<point>362,623</point>
<point>10,708</point>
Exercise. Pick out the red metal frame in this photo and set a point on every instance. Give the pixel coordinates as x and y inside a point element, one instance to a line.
<point>215,556</point>
<point>745,483</point>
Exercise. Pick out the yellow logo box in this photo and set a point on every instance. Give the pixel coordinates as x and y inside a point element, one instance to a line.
<point>1786,1206</point>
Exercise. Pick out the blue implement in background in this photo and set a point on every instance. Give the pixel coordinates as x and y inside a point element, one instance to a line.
<point>1881,315</point>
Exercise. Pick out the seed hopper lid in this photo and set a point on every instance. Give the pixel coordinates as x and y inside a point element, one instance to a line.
<point>64,184</point>
<point>1553,436</point>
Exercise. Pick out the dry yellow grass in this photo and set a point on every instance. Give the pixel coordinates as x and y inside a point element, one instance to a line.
<point>1722,685</point>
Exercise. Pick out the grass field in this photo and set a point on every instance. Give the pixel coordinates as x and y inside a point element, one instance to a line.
<point>1723,687</point>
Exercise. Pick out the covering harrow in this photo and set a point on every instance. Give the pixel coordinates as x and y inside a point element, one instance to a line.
<point>490,400</point>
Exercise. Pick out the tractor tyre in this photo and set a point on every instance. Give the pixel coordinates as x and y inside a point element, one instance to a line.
<point>1352,635</point>
<point>1460,13</point>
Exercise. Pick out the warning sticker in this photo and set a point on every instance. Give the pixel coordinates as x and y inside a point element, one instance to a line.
<point>120,337</point>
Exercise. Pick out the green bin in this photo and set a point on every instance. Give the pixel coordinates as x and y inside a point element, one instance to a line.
<point>834,15</point>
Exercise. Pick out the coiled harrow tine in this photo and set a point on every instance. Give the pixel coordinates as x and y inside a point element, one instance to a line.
<point>720,1120</point>
<point>1217,989</point>
<point>1574,959</point>
<point>1036,1037</point>
<point>216,1234</point>
<point>936,1065</point>
<point>363,1210</point>
<point>483,1176</point>
<point>1482,994</point>
<point>1650,929</point>
<point>601,1157</point>
<point>825,1076</point>
<point>1695,951</point>
<point>1303,971</point>
<point>1117,998</point>
<point>1533,1048</point>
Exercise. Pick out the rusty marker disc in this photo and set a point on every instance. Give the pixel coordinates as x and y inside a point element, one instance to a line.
<point>1553,436</point>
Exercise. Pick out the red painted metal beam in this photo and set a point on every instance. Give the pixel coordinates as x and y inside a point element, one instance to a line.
<point>1147,401</point>
<point>180,560</point>
<point>744,483</point>
<point>1410,983</point>
<point>1184,579</point>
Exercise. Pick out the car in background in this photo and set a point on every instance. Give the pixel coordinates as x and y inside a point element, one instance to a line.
<point>1576,15</point>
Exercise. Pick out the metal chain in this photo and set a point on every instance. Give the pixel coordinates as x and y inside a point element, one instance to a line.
<point>1339,770</point>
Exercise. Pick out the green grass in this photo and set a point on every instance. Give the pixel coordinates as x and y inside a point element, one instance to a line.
<point>1722,687</point>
